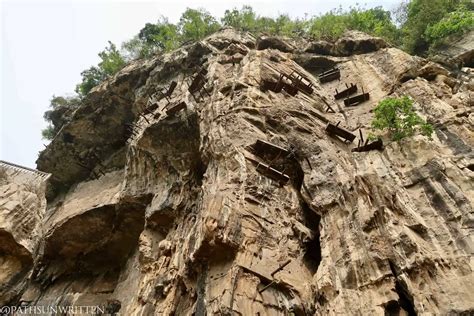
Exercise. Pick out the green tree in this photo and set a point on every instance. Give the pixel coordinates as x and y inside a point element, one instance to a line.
<point>264,24</point>
<point>111,62</point>
<point>399,117</point>
<point>420,15</point>
<point>375,21</point>
<point>152,39</point>
<point>454,23</point>
<point>197,24</point>
<point>162,35</point>
<point>90,78</point>
<point>284,25</point>
<point>244,19</point>
<point>329,26</point>
<point>136,48</point>
<point>61,109</point>
<point>48,132</point>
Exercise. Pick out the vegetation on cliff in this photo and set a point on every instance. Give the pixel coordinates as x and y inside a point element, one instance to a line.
<point>60,113</point>
<point>398,116</point>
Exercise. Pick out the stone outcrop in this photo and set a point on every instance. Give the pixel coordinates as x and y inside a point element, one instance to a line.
<point>241,203</point>
<point>457,52</point>
<point>22,208</point>
<point>350,43</point>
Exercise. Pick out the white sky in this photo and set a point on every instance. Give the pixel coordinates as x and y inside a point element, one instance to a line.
<point>46,44</point>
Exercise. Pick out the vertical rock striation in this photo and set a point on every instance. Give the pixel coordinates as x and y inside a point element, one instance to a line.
<point>241,203</point>
<point>22,208</point>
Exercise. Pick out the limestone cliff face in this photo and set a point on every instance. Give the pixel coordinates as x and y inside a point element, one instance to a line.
<point>22,207</point>
<point>241,203</point>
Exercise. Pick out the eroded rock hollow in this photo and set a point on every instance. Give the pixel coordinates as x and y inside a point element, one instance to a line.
<point>211,181</point>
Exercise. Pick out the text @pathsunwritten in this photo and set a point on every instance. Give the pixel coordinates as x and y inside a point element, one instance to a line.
<point>54,310</point>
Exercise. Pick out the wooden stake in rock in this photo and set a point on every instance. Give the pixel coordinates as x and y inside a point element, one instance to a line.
<point>197,84</point>
<point>330,75</point>
<point>281,267</point>
<point>335,130</point>
<point>358,99</point>
<point>346,92</point>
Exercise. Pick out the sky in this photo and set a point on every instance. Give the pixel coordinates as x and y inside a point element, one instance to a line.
<point>46,44</point>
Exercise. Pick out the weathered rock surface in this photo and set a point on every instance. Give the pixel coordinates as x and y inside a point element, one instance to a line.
<point>350,43</point>
<point>22,207</point>
<point>459,52</point>
<point>185,217</point>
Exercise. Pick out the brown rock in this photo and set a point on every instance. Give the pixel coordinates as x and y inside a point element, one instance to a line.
<point>182,222</point>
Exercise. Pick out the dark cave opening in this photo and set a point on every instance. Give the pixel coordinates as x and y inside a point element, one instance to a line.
<point>406,78</point>
<point>392,267</point>
<point>470,166</point>
<point>405,299</point>
<point>392,308</point>
<point>282,159</point>
<point>199,169</point>
<point>312,257</point>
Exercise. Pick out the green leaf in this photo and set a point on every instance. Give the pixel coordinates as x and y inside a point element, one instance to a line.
<point>398,116</point>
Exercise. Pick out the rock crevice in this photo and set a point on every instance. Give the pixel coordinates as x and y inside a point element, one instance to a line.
<point>233,198</point>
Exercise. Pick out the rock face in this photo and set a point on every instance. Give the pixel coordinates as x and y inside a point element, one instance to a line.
<point>240,203</point>
<point>459,52</point>
<point>22,207</point>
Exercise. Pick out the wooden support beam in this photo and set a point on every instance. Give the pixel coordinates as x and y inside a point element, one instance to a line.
<point>176,108</point>
<point>375,145</point>
<point>309,163</point>
<point>329,108</point>
<point>361,136</point>
<point>198,81</point>
<point>287,262</point>
<point>262,146</point>
<point>346,92</point>
<point>356,100</point>
<point>272,85</point>
<point>143,115</point>
<point>272,173</point>
<point>273,274</point>
<point>197,84</point>
<point>302,76</point>
<point>171,88</point>
<point>279,85</point>
<point>291,89</point>
<point>301,82</point>
<point>130,126</point>
<point>82,165</point>
<point>330,76</point>
<point>324,73</point>
<point>266,287</point>
<point>150,109</point>
<point>290,83</point>
<point>335,130</point>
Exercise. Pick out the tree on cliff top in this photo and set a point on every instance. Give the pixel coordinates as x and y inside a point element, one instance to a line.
<point>111,62</point>
<point>61,109</point>
<point>420,25</point>
<point>375,21</point>
<point>421,15</point>
<point>197,24</point>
